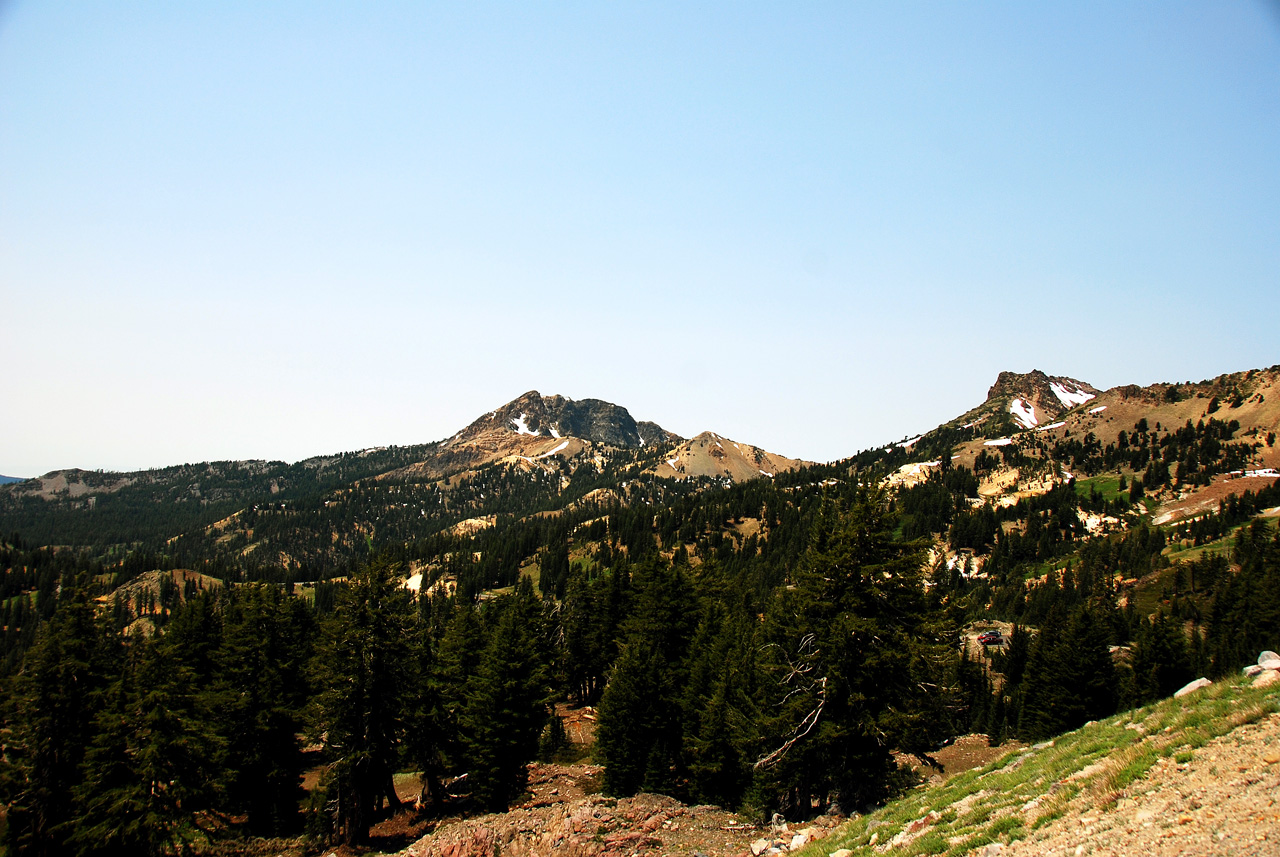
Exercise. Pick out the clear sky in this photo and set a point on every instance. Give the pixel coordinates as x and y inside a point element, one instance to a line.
<point>275,230</point>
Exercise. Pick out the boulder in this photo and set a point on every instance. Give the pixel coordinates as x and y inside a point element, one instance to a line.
<point>1192,687</point>
<point>1269,660</point>
<point>759,847</point>
<point>1251,670</point>
<point>1266,678</point>
<point>797,842</point>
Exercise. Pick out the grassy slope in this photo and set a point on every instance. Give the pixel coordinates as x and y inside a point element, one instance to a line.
<point>1086,770</point>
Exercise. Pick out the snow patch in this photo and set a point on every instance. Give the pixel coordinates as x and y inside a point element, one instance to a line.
<point>555,432</point>
<point>1050,426</point>
<point>1069,397</point>
<point>414,583</point>
<point>766,473</point>
<point>1023,412</point>
<point>673,462</point>
<point>1098,409</point>
<point>553,451</point>
<point>907,444</point>
<point>522,427</point>
<point>1000,441</point>
<point>1266,471</point>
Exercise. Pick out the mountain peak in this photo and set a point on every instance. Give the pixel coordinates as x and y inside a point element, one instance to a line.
<point>555,417</point>
<point>1034,398</point>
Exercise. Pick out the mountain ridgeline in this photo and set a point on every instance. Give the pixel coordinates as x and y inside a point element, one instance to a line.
<point>754,631</point>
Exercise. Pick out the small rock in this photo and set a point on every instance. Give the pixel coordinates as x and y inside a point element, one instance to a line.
<point>1266,678</point>
<point>1192,687</point>
<point>1271,758</point>
<point>1043,745</point>
<point>759,847</point>
<point>1269,660</point>
<point>1251,670</point>
<point>993,849</point>
<point>842,852</point>
<point>797,842</point>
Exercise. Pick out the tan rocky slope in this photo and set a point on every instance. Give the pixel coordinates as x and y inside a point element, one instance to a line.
<point>717,457</point>
<point>1030,413</point>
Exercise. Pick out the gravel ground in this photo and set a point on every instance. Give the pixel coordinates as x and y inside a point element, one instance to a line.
<point>1224,801</point>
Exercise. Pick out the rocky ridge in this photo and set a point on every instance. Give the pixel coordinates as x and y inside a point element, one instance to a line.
<point>1027,400</point>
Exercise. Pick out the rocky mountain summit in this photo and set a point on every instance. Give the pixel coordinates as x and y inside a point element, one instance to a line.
<point>1033,398</point>
<point>595,420</point>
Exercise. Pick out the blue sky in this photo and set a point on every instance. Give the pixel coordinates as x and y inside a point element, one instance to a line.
<point>243,230</point>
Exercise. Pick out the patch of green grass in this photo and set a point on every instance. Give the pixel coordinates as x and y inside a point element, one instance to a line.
<point>1048,817</point>
<point>1107,486</point>
<point>1009,826</point>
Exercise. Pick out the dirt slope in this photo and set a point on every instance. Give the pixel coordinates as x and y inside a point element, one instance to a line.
<point>1224,800</point>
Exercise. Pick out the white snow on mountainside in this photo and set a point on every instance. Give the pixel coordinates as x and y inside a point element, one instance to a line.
<point>521,426</point>
<point>1069,397</point>
<point>1023,412</point>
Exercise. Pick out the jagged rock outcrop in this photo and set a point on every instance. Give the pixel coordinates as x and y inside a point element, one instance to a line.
<point>595,420</point>
<point>1035,398</point>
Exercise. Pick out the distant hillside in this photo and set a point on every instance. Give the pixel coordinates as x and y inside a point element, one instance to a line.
<point>5,480</point>
<point>535,455</point>
<point>732,622</point>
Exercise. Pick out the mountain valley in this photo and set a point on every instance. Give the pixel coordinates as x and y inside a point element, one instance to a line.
<point>697,617</point>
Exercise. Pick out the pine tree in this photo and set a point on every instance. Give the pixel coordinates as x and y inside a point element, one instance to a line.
<point>640,730</point>
<point>631,717</point>
<point>1161,662</point>
<point>150,772</point>
<point>54,701</point>
<point>259,697</point>
<point>364,669</point>
<point>506,708</point>
<point>856,661</point>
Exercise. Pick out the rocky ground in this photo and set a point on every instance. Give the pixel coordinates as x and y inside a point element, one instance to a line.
<point>1224,801</point>
<point>565,816</point>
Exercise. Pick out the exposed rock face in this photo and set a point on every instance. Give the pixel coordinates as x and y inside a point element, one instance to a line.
<point>595,420</point>
<point>1035,398</point>
<point>534,426</point>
